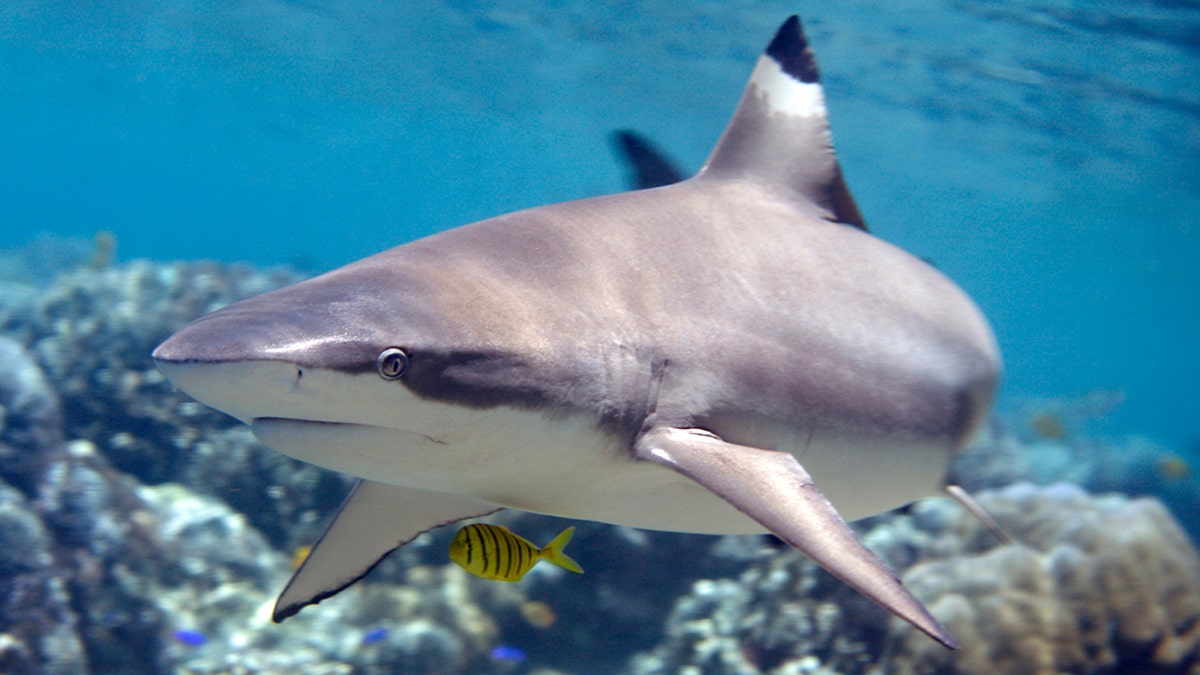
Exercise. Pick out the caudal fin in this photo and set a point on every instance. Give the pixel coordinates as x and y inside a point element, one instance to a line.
<point>553,551</point>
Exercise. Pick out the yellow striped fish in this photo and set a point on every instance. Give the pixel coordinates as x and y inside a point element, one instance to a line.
<point>493,552</point>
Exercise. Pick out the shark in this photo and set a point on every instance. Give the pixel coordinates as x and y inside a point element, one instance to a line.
<point>731,353</point>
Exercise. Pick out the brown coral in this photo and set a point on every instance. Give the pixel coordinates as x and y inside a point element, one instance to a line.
<point>1095,585</point>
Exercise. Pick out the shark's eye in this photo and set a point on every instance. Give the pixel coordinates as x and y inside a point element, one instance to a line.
<point>392,363</point>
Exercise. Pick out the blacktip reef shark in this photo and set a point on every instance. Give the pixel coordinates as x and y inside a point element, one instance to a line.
<point>693,358</point>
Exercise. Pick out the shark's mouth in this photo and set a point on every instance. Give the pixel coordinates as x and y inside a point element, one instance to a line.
<point>362,450</point>
<point>284,430</point>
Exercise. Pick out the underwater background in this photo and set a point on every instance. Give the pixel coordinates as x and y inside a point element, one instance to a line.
<point>159,159</point>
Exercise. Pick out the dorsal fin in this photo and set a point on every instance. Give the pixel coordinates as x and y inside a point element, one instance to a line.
<point>780,132</point>
<point>647,165</point>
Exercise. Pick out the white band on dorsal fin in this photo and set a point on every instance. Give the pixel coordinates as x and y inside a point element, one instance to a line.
<point>784,93</point>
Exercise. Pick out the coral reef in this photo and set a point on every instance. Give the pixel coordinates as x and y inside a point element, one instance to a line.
<point>1091,585</point>
<point>30,416</point>
<point>774,617</point>
<point>91,333</point>
<point>37,625</point>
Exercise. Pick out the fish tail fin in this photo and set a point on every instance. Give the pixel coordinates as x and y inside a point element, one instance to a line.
<point>553,551</point>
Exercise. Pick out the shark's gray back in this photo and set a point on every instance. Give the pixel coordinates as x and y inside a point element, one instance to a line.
<point>739,301</point>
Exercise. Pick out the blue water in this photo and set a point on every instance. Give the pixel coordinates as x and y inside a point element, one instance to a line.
<point>1045,154</point>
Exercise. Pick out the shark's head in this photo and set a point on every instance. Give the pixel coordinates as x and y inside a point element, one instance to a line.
<point>251,359</point>
<point>408,351</point>
<point>365,345</point>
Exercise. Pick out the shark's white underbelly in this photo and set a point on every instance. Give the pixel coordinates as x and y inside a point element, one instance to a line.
<point>566,465</point>
<point>551,461</point>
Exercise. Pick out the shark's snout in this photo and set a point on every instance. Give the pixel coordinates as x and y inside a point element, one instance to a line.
<point>292,325</point>
<point>255,358</point>
<point>215,338</point>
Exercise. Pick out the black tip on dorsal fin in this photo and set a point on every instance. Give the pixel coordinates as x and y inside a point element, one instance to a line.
<point>791,51</point>
<point>779,135</point>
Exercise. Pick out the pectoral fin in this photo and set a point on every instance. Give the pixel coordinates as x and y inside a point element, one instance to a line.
<point>375,519</point>
<point>774,489</point>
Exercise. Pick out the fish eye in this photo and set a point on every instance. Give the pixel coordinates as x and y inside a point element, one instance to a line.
<point>392,363</point>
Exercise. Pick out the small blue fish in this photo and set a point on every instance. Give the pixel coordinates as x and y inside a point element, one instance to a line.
<point>191,638</point>
<point>374,635</point>
<point>507,653</point>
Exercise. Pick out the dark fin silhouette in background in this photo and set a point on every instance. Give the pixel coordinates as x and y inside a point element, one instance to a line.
<point>647,165</point>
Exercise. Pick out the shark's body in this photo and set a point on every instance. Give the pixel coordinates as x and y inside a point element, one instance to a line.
<point>659,359</point>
